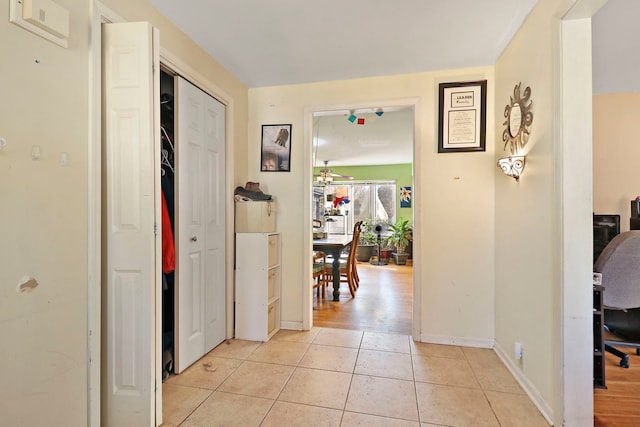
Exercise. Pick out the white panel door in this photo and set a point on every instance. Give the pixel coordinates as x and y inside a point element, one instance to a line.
<point>215,283</point>
<point>131,211</point>
<point>190,237</point>
<point>201,254</point>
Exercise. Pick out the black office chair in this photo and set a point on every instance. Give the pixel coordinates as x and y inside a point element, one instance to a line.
<point>619,264</point>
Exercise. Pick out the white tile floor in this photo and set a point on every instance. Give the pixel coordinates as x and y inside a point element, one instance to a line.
<point>337,377</point>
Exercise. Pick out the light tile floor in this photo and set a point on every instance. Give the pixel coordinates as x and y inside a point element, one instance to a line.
<point>337,377</point>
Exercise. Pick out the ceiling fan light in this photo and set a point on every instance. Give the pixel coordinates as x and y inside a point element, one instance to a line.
<point>325,177</point>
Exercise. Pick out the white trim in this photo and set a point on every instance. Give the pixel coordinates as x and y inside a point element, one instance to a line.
<point>293,326</point>
<point>99,14</point>
<point>157,342</point>
<point>459,341</point>
<point>93,224</point>
<point>526,385</point>
<point>307,232</point>
<point>418,145</point>
<point>106,14</point>
<point>189,73</point>
<point>574,206</point>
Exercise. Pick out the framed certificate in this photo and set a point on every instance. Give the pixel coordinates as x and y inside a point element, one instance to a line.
<point>462,118</point>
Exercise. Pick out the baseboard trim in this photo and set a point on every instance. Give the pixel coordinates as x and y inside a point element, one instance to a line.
<point>292,326</point>
<point>530,390</point>
<point>526,385</point>
<point>461,341</point>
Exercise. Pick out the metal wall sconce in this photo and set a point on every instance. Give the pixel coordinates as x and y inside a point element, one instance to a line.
<point>512,166</point>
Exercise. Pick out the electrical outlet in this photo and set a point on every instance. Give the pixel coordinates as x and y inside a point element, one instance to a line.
<point>517,350</point>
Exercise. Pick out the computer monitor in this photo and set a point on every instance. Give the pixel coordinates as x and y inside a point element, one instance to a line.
<point>605,228</point>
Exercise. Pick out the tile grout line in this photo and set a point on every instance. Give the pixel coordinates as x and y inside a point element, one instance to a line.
<point>295,368</point>
<point>196,408</point>
<point>415,385</point>
<point>482,388</point>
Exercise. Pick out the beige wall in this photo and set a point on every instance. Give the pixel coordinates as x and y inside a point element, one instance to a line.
<point>43,209</point>
<point>43,224</point>
<point>45,91</point>
<point>615,154</point>
<point>525,223</point>
<point>452,196</point>
<point>542,237</point>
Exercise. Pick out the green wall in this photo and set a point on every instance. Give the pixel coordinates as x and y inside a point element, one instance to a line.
<point>402,174</point>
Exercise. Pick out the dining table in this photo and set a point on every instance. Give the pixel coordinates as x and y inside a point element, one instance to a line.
<point>334,244</point>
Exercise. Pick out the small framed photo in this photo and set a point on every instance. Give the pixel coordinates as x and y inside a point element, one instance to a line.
<point>276,148</point>
<point>462,119</point>
<point>405,197</point>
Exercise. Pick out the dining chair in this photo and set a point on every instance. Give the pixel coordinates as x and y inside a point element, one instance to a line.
<point>348,271</point>
<point>319,275</point>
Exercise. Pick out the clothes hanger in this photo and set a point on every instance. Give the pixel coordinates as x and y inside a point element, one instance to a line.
<point>166,135</point>
<point>165,160</point>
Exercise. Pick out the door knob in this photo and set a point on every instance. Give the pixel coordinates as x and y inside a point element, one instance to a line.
<point>194,239</point>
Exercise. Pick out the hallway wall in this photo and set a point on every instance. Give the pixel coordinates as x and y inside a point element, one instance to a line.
<point>453,198</point>
<point>543,300</point>
<point>43,226</point>
<point>44,208</point>
<point>615,153</point>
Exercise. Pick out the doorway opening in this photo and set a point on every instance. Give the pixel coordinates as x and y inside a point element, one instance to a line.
<point>362,163</point>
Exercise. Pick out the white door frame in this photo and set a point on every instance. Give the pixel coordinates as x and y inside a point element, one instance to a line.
<point>307,294</point>
<point>574,403</point>
<point>101,13</point>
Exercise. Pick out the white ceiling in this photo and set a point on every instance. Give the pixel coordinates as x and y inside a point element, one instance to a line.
<point>281,42</point>
<point>616,43</point>
<point>381,140</point>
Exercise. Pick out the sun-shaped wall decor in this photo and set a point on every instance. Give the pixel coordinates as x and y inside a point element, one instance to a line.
<point>518,117</point>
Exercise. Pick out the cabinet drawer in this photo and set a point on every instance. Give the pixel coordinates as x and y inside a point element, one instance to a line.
<point>271,318</point>
<point>273,250</point>
<point>271,283</point>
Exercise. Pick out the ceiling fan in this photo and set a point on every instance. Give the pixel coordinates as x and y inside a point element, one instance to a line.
<point>326,176</point>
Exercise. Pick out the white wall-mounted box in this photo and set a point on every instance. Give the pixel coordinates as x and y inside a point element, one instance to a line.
<point>255,216</point>
<point>42,17</point>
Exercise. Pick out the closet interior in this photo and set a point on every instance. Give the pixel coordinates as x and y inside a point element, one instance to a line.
<point>167,178</point>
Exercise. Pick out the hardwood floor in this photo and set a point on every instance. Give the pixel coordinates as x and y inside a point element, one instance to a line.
<point>619,404</point>
<point>383,302</point>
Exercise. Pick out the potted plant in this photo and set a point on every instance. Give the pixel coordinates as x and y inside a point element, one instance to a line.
<point>366,242</point>
<point>400,236</point>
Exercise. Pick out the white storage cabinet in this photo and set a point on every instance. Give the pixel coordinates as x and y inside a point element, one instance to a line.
<point>336,224</point>
<point>258,285</point>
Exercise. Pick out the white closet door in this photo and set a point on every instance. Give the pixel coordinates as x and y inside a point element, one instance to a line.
<point>132,271</point>
<point>190,237</point>
<point>200,290</point>
<point>215,283</point>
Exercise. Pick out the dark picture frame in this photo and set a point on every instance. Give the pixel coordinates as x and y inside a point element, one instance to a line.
<point>275,155</point>
<point>462,116</point>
